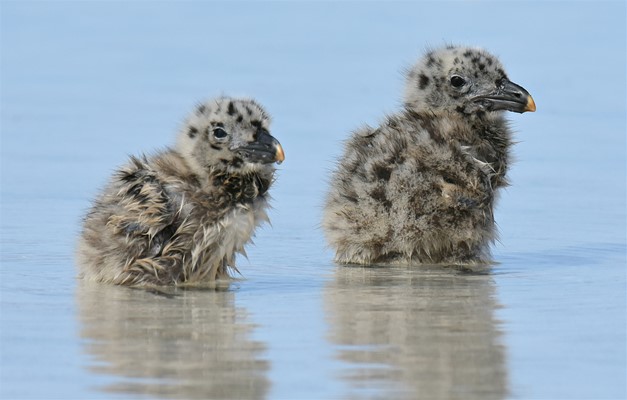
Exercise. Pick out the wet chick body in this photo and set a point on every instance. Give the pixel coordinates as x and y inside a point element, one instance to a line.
<point>421,187</point>
<point>181,215</point>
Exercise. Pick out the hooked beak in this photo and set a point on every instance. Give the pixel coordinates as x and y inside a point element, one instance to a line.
<point>265,150</point>
<point>508,96</point>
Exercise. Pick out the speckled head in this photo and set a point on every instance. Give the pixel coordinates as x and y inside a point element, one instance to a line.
<point>463,79</point>
<point>229,133</point>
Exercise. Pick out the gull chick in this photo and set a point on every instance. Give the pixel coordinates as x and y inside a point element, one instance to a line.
<point>421,187</point>
<point>180,216</point>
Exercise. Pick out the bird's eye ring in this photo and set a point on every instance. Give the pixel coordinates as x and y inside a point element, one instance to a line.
<point>219,133</point>
<point>457,81</point>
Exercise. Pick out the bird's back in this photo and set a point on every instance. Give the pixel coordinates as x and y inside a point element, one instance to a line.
<point>133,218</point>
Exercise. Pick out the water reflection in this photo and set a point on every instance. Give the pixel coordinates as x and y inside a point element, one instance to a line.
<point>416,334</point>
<point>183,344</point>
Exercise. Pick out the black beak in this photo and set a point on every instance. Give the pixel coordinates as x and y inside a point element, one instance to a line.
<point>265,150</point>
<point>508,96</point>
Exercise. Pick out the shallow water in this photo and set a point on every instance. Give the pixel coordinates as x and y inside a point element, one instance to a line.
<point>85,84</point>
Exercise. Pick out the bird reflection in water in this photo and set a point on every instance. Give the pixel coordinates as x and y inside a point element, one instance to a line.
<point>417,333</point>
<point>171,343</point>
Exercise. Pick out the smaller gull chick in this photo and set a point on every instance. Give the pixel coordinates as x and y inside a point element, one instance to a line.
<point>180,216</point>
<point>421,187</point>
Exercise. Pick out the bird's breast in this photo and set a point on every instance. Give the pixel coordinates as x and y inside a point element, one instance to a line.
<point>239,225</point>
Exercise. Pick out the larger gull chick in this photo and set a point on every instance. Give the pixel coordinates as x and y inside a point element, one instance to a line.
<point>421,187</point>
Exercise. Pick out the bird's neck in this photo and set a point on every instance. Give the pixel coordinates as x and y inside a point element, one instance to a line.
<point>232,186</point>
<point>486,137</point>
<point>491,144</point>
<point>240,187</point>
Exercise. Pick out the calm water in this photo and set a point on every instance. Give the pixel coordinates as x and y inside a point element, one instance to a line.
<point>84,84</point>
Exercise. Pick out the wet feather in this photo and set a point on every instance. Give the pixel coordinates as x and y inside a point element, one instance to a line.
<point>180,216</point>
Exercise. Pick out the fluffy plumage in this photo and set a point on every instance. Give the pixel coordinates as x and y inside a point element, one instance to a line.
<point>181,215</point>
<point>421,187</point>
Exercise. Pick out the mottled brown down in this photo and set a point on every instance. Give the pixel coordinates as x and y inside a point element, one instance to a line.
<point>181,215</point>
<point>421,187</point>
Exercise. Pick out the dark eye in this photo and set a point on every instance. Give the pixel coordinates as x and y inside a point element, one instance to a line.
<point>457,81</point>
<point>219,133</point>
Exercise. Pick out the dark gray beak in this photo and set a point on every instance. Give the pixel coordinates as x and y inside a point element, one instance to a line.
<point>508,96</point>
<point>265,150</point>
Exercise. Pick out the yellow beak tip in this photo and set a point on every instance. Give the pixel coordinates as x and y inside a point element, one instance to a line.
<point>280,155</point>
<point>531,105</point>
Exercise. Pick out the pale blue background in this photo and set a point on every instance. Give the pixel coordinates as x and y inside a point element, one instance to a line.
<point>84,84</point>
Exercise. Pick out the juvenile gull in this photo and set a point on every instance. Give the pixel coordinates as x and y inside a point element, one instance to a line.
<point>421,187</point>
<point>181,215</point>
